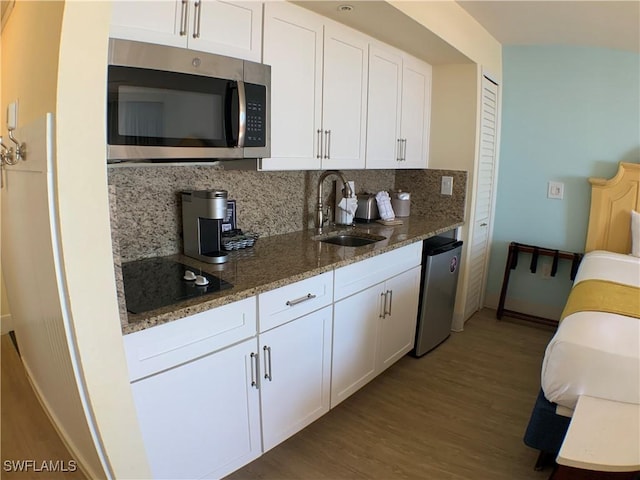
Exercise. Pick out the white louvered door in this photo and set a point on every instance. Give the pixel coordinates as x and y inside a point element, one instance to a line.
<point>485,185</point>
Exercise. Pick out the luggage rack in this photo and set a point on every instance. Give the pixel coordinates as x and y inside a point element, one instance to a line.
<point>535,251</point>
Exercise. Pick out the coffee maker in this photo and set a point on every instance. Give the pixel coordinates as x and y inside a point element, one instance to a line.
<point>203,212</point>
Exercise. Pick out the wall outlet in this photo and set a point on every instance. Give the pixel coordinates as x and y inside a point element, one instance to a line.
<point>447,186</point>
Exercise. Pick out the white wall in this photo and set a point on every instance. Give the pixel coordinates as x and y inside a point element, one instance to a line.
<point>85,233</point>
<point>453,24</point>
<point>454,115</point>
<point>54,57</point>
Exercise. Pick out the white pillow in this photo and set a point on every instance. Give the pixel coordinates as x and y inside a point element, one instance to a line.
<point>635,233</point>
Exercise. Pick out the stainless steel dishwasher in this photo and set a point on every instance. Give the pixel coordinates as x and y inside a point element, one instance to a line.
<point>440,266</point>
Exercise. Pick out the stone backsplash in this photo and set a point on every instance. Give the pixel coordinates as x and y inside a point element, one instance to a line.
<point>268,203</point>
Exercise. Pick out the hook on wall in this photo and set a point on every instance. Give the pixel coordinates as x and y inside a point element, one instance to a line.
<point>11,155</point>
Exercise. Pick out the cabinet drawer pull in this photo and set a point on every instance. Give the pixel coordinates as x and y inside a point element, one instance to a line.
<point>267,362</point>
<point>308,296</point>
<point>254,369</point>
<point>404,150</point>
<point>399,151</point>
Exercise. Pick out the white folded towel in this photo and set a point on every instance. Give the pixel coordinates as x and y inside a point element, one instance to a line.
<point>349,205</point>
<point>384,206</point>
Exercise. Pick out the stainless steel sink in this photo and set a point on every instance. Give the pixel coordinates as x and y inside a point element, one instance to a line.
<point>352,239</point>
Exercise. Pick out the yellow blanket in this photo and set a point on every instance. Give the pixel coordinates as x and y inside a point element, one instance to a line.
<point>603,296</point>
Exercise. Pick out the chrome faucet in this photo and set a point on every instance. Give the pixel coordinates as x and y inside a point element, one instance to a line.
<point>320,215</point>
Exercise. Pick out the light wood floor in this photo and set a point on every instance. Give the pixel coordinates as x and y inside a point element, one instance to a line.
<point>26,432</point>
<point>459,412</point>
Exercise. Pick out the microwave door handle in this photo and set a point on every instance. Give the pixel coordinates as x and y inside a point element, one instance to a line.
<point>242,112</point>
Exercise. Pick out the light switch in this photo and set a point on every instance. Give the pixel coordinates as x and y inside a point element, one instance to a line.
<point>555,190</point>
<point>447,186</point>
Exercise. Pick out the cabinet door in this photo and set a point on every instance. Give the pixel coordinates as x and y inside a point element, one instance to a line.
<point>295,375</point>
<point>227,28</point>
<point>293,48</point>
<point>154,22</point>
<point>416,113</point>
<point>344,92</point>
<point>398,326</point>
<point>355,340</point>
<point>383,115</point>
<point>202,418</point>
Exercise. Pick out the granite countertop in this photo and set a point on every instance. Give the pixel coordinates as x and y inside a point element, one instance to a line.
<point>280,260</point>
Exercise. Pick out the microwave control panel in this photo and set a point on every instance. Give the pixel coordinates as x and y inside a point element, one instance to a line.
<point>256,115</point>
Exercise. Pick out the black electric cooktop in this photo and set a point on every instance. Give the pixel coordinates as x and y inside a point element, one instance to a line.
<point>157,282</point>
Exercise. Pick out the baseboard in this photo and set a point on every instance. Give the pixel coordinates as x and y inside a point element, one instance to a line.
<point>6,323</point>
<point>82,464</point>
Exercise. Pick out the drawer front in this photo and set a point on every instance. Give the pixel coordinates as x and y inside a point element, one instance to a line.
<point>164,346</point>
<point>295,300</point>
<point>358,276</point>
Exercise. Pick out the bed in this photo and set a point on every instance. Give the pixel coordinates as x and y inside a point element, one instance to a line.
<point>596,348</point>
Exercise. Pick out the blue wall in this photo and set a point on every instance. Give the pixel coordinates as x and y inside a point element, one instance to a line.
<point>568,113</point>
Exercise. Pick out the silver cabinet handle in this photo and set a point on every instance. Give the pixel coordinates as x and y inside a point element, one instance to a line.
<point>254,370</point>
<point>319,154</point>
<point>267,363</point>
<point>388,298</point>
<point>390,292</point>
<point>308,296</point>
<point>327,139</point>
<point>399,151</point>
<point>404,149</point>
<point>183,18</point>
<point>242,114</point>
<point>196,18</point>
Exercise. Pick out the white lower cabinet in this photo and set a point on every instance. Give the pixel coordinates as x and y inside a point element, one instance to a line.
<point>355,342</point>
<point>195,387</point>
<point>295,375</point>
<point>212,391</point>
<point>201,419</point>
<point>398,325</point>
<point>375,326</point>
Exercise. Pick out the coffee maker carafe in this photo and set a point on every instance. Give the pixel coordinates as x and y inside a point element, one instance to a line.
<point>203,212</point>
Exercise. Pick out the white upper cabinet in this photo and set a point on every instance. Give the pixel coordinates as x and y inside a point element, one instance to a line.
<point>383,124</point>
<point>318,90</point>
<point>159,22</point>
<point>226,28</point>
<point>344,94</point>
<point>293,47</point>
<point>399,109</point>
<point>416,113</point>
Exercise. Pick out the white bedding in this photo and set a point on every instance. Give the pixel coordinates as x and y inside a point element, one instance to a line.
<point>595,353</point>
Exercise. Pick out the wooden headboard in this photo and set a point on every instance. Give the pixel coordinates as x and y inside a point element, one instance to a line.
<point>611,204</point>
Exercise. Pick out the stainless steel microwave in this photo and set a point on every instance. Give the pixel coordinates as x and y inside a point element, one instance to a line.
<point>174,104</point>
